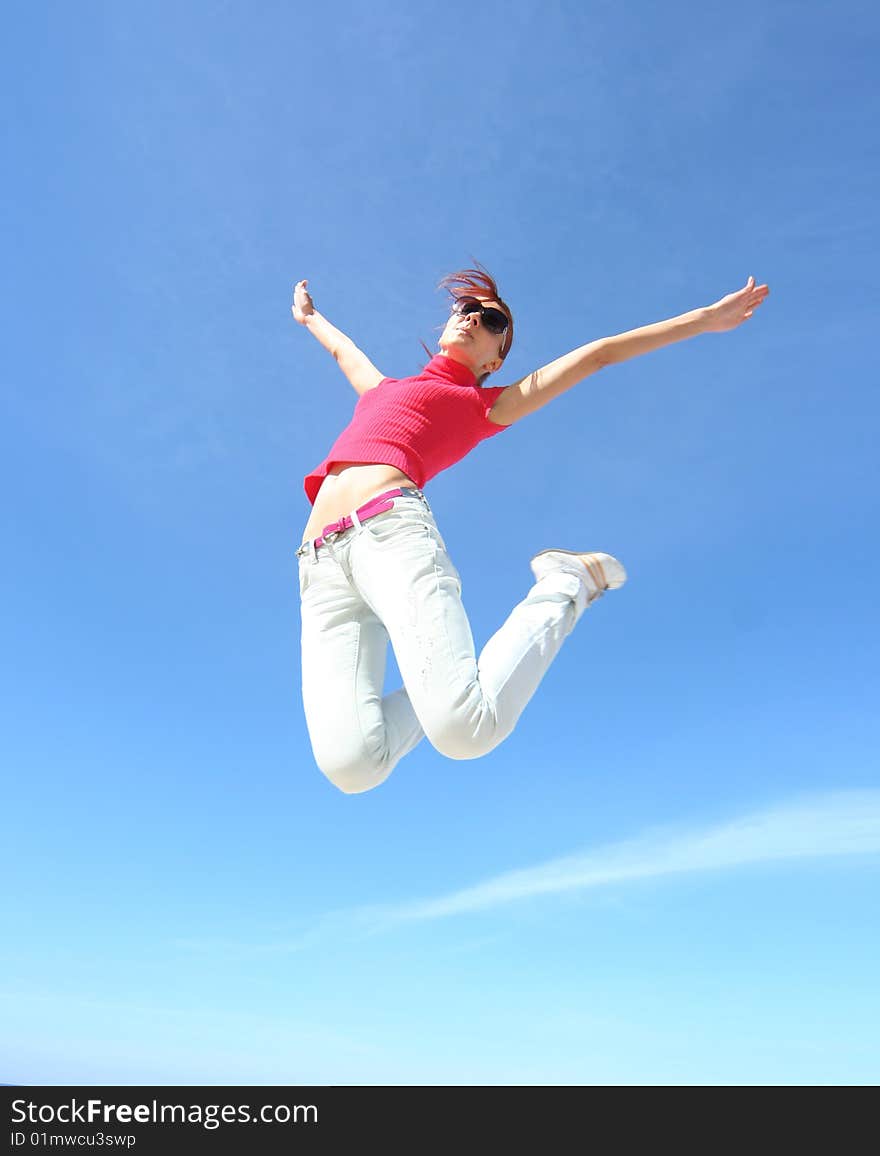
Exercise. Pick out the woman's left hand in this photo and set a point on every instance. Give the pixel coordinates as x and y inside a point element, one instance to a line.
<point>736,308</point>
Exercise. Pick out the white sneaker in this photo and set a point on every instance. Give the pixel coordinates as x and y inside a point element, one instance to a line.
<point>601,572</point>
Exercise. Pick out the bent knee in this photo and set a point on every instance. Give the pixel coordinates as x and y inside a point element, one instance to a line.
<point>458,741</point>
<point>353,779</point>
<point>352,772</point>
<point>349,781</point>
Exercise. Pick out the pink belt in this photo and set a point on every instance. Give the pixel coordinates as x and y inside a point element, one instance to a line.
<point>378,505</point>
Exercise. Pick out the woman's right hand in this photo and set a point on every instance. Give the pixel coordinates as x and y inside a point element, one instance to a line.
<point>303,305</point>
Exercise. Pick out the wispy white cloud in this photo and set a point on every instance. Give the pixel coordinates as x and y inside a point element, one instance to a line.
<point>814,827</point>
<point>841,823</point>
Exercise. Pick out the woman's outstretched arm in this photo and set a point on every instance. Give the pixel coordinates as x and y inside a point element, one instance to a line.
<point>532,392</point>
<point>353,362</point>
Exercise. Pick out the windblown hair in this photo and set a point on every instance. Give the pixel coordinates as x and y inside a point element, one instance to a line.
<point>479,283</point>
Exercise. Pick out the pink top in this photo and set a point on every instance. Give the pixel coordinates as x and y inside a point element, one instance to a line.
<point>421,425</point>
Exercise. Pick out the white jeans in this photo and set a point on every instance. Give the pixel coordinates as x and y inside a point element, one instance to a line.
<point>390,578</point>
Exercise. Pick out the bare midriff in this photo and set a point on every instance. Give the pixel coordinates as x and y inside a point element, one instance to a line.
<point>347,486</point>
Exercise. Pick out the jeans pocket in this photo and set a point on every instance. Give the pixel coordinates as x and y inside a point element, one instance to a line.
<point>399,525</point>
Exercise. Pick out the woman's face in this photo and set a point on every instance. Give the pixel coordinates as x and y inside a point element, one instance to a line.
<point>467,340</point>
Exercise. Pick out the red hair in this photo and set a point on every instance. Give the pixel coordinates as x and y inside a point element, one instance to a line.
<point>479,283</point>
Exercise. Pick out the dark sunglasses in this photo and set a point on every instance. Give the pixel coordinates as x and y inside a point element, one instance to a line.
<point>494,320</point>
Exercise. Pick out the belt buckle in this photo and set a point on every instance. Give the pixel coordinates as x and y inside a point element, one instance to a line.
<point>333,530</point>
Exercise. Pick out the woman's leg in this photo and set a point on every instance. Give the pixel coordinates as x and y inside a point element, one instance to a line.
<point>466,706</point>
<point>357,736</point>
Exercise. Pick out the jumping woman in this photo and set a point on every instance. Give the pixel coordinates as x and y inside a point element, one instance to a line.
<point>373,567</point>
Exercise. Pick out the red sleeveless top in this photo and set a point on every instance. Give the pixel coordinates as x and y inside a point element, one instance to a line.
<point>421,425</point>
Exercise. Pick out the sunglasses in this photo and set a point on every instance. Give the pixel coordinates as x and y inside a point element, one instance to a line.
<point>494,320</point>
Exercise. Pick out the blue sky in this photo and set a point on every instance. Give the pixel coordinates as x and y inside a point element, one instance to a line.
<point>669,873</point>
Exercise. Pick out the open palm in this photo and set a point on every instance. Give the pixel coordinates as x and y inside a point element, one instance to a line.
<point>737,307</point>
